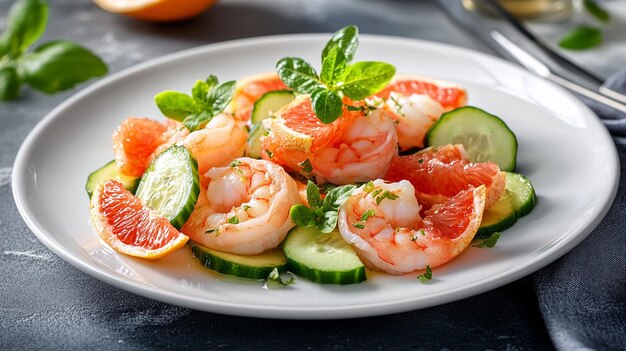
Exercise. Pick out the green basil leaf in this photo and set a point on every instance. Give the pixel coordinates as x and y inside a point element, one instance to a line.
<point>582,38</point>
<point>298,75</point>
<point>200,91</point>
<point>9,83</point>
<point>59,65</point>
<point>175,105</point>
<point>327,105</point>
<point>363,79</point>
<point>597,11</point>
<point>328,222</point>
<point>313,195</point>
<point>332,67</point>
<point>197,120</point>
<point>337,196</point>
<point>27,20</point>
<point>211,81</point>
<point>346,39</point>
<point>302,216</point>
<point>219,97</point>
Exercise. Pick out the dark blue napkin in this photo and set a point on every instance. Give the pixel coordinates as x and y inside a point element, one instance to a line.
<point>582,296</point>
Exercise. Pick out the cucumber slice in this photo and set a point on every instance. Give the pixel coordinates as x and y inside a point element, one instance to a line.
<point>269,103</point>
<point>518,200</point>
<point>110,171</point>
<point>484,136</point>
<point>322,258</point>
<point>523,193</point>
<point>170,185</point>
<point>253,146</point>
<point>498,217</point>
<point>243,266</point>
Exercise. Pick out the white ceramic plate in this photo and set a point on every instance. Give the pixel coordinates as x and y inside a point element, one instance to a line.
<point>563,149</point>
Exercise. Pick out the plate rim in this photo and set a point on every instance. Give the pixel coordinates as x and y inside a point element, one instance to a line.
<point>331,312</point>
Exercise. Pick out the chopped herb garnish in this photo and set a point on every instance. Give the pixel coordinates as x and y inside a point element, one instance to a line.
<point>369,187</point>
<point>306,166</point>
<point>235,163</point>
<point>420,232</point>
<point>359,225</point>
<point>246,207</point>
<point>428,275</point>
<point>386,195</point>
<point>269,153</point>
<point>398,107</point>
<point>276,276</point>
<point>489,242</point>
<point>376,192</point>
<point>215,231</point>
<point>369,213</point>
<point>366,109</point>
<point>420,161</point>
<point>233,220</point>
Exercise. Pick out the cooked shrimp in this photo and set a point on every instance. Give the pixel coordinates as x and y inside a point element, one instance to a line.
<point>414,115</point>
<point>245,208</point>
<point>220,141</point>
<point>215,145</point>
<point>383,223</point>
<point>362,153</point>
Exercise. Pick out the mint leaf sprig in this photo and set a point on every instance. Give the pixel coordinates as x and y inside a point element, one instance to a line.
<point>208,98</point>
<point>321,214</point>
<point>338,78</point>
<point>52,67</point>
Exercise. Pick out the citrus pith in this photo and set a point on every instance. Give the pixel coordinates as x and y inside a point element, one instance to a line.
<point>130,227</point>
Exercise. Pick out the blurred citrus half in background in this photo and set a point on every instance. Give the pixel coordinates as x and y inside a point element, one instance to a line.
<point>156,10</point>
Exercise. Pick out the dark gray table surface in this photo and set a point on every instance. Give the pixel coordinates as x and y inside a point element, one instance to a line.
<point>45,303</point>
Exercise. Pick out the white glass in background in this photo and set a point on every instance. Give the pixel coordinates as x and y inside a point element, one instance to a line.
<point>544,10</point>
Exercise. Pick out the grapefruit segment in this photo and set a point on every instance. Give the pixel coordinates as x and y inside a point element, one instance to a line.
<point>130,227</point>
<point>299,117</point>
<point>440,173</point>
<point>449,95</point>
<point>288,138</point>
<point>457,220</point>
<point>134,142</point>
